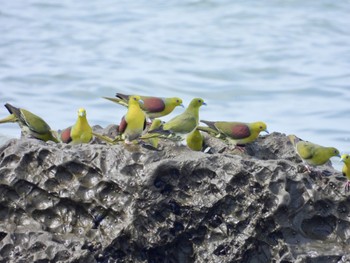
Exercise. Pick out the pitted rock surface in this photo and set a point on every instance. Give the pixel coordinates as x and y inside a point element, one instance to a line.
<point>126,203</point>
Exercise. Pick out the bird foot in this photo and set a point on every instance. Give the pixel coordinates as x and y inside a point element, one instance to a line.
<point>127,142</point>
<point>307,169</point>
<point>240,148</point>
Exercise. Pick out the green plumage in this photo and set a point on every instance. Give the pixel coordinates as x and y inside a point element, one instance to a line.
<point>312,153</point>
<point>31,125</point>
<point>236,132</point>
<point>135,120</point>
<point>187,121</point>
<point>195,140</point>
<point>153,107</point>
<point>345,158</point>
<point>80,132</point>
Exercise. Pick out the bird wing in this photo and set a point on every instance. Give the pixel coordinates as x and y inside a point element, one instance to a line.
<point>65,135</point>
<point>34,122</point>
<point>123,124</point>
<point>305,149</point>
<point>153,104</point>
<point>210,124</point>
<point>233,129</point>
<point>181,124</point>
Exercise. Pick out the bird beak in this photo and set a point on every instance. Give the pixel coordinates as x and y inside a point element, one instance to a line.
<point>141,102</point>
<point>341,160</point>
<point>267,131</point>
<point>204,103</point>
<point>182,105</point>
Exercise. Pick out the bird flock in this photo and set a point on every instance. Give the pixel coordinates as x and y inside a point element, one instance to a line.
<point>141,124</point>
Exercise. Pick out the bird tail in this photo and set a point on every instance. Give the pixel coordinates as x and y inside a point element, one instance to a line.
<point>14,114</point>
<point>294,139</point>
<point>122,96</point>
<point>161,131</point>
<point>117,100</point>
<point>208,130</point>
<point>54,136</point>
<point>210,124</point>
<point>10,118</point>
<point>12,109</point>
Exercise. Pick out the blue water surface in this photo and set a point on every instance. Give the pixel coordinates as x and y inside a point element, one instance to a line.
<point>283,62</point>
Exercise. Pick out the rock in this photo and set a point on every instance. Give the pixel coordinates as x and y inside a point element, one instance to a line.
<point>103,203</point>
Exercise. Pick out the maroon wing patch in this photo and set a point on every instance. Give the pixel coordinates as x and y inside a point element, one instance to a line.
<point>153,104</point>
<point>240,131</point>
<point>122,125</point>
<point>65,135</point>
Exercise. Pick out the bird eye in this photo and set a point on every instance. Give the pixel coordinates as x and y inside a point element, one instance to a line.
<point>347,157</point>
<point>177,100</point>
<point>199,101</point>
<point>134,98</point>
<point>261,127</point>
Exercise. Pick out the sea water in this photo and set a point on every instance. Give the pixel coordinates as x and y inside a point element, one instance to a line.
<point>283,62</point>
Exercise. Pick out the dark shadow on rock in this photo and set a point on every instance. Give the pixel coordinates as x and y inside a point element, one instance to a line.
<point>115,203</point>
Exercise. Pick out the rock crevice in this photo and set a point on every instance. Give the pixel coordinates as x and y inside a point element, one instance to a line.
<point>101,203</point>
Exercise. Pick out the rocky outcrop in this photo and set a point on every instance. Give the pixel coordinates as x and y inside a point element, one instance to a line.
<point>117,203</point>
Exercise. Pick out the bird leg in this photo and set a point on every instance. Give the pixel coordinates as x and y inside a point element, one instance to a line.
<point>239,147</point>
<point>127,142</point>
<point>307,169</point>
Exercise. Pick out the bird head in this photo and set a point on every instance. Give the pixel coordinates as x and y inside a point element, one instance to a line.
<point>260,126</point>
<point>81,112</point>
<point>135,99</point>
<point>197,102</point>
<point>334,152</point>
<point>176,101</point>
<point>345,158</point>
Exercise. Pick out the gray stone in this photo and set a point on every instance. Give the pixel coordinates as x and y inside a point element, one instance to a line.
<point>127,203</point>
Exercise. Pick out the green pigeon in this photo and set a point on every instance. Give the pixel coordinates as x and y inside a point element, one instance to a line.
<point>195,140</point>
<point>311,153</point>
<point>345,158</point>
<point>133,123</point>
<point>154,107</point>
<point>80,132</point>
<point>184,123</point>
<point>240,133</point>
<point>31,125</point>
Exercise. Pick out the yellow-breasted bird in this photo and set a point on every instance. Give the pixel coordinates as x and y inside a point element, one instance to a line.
<point>345,158</point>
<point>134,121</point>
<point>31,125</point>
<point>184,123</point>
<point>311,153</point>
<point>239,133</point>
<point>194,140</point>
<point>154,107</point>
<point>80,132</point>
